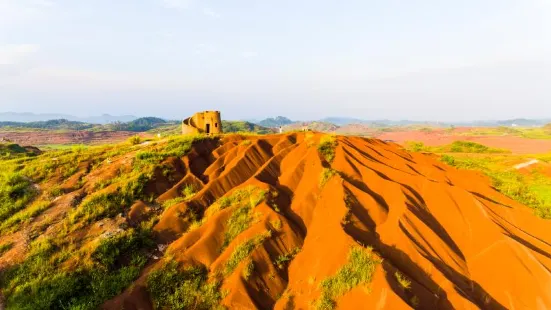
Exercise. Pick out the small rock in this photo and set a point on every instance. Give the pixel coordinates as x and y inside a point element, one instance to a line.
<point>155,257</point>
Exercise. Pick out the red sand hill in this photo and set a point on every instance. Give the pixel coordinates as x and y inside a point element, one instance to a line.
<point>462,244</point>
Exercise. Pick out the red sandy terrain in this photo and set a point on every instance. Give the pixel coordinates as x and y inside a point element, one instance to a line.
<point>70,137</point>
<point>462,244</point>
<point>517,145</point>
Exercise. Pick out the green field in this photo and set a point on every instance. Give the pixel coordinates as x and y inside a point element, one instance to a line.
<point>532,188</point>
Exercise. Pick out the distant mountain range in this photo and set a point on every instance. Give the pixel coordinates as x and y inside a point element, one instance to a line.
<point>344,121</point>
<point>276,122</point>
<point>32,117</point>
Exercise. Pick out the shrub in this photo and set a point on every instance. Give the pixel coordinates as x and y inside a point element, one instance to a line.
<point>134,140</point>
<point>283,259</point>
<point>448,160</point>
<point>416,146</point>
<point>174,288</point>
<point>326,175</point>
<point>357,271</point>
<point>189,191</point>
<point>248,270</point>
<point>404,282</point>
<point>327,147</point>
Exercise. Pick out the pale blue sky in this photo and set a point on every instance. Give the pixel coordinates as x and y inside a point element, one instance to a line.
<point>305,59</point>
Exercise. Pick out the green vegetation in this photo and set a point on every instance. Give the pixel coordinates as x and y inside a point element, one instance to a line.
<point>326,175</point>
<point>175,288</point>
<point>43,280</point>
<point>523,132</point>
<point>189,191</point>
<point>134,140</point>
<point>404,282</point>
<point>455,147</point>
<point>248,270</point>
<point>242,251</point>
<point>5,247</point>
<point>244,127</point>
<point>327,147</point>
<point>532,190</point>
<point>35,209</point>
<point>357,271</point>
<point>243,201</point>
<point>57,124</point>
<point>283,259</point>
<point>275,122</point>
<point>169,203</point>
<point>16,191</point>
<point>12,150</point>
<point>138,125</point>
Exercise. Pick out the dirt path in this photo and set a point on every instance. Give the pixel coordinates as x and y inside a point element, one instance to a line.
<point>526,164</point>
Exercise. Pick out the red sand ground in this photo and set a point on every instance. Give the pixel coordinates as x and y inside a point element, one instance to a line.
<point>517,145</point>
<point>462,244</point>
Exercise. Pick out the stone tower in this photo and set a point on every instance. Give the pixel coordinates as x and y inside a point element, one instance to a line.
<point>208,122</point>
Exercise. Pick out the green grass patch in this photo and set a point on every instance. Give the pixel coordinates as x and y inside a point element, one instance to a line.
<point>358,270</point>
<point>284,259</point>
<point>248,270</point>
<point>41,281</point>
<point>189,191</point>
<point>531,190</point>
<point>16,191</point>
<point>243,201</point>
<point>404,282</point>
<point>326,175</point>
<point>35,209</point>
<point>455,147</point>
<point>327,147</point>
<point>173,287</point>
<point>5,247</point>
<point>242,251</point>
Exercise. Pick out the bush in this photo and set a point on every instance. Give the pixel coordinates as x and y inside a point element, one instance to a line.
<point>134,140</point>
<point>327,147</point>
<point>404,282</point>
<point>357,271</point>
<point>326,175</point>
<point>448,160</point>
<point>174,288</point>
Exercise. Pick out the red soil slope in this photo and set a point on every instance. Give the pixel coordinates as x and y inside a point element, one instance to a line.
<point>462,244</point>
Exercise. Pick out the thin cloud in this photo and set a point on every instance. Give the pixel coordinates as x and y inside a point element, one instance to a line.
<point>12,54</point>
<point>20,11</point>
<point>249,54</point>
<point>209,12</point>
<point>176,4</point>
